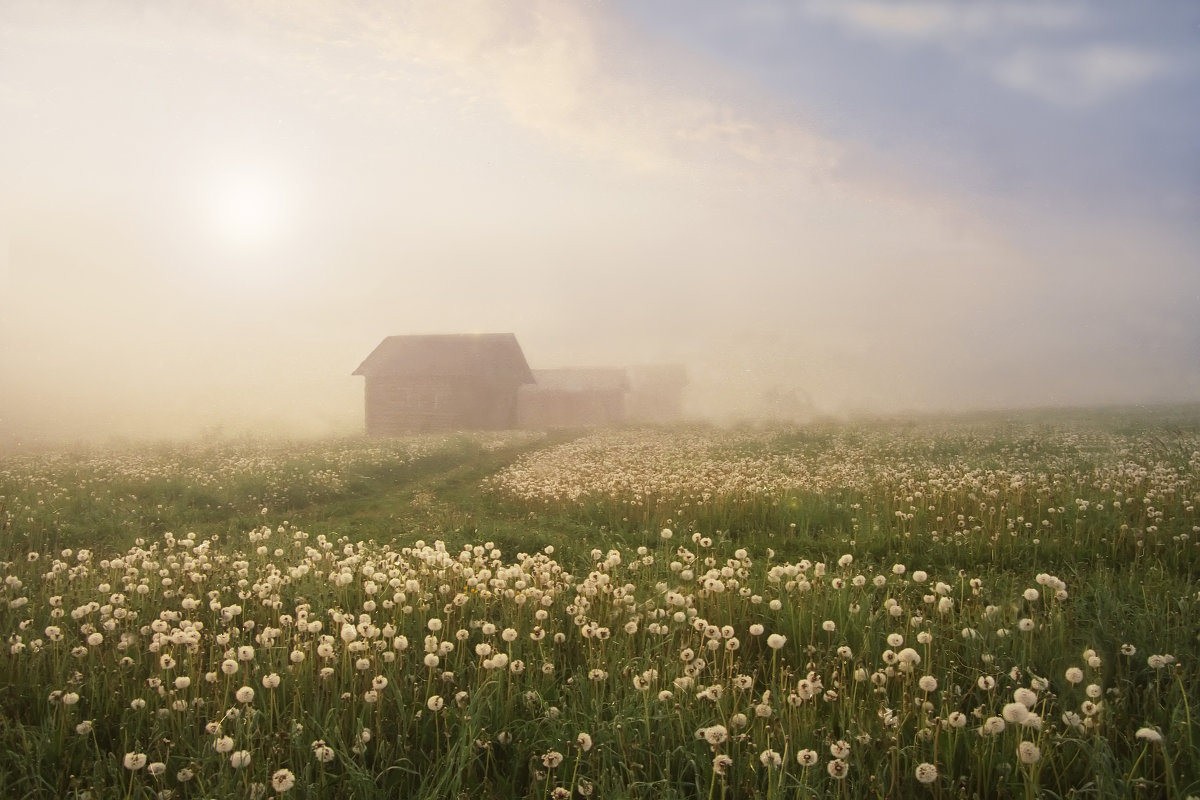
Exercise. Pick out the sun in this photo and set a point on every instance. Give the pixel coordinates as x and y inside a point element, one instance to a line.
<point>247,216</point>
<point>247,209</point>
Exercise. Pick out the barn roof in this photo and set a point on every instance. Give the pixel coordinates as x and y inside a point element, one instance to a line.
<point>580,379</point>
<point>491,355</point>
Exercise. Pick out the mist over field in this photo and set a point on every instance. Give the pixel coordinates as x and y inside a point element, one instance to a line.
<point>342,347</point>
<point>210,213</point>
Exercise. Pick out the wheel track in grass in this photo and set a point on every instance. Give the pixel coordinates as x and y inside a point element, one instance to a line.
<point>439,497</point>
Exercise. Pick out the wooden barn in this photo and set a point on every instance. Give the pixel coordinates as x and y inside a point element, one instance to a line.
<point>443,382</point>
<point>573,398</point>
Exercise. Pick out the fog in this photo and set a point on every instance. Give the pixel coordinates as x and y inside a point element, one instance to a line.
<point>211,212</point>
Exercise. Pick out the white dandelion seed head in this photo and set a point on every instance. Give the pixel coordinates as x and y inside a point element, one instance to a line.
<point>283,780</point>
<point>1028,753</point>
<point>1150,735</point>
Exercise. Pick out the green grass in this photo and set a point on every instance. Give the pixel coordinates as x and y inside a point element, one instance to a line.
<point>193,552</point>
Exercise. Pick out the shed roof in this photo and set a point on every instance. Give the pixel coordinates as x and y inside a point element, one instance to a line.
<point>579,379</point>
<point>491,355</point>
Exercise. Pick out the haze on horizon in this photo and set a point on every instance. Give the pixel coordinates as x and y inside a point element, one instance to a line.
<point>210,212</point>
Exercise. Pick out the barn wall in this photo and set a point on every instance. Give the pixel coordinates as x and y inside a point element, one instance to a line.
<point>400,405</point>
<point>489,405</point>
<point>396,406</point>
<point>546,408</point>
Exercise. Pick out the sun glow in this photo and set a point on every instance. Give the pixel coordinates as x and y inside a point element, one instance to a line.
<point>248,210</point>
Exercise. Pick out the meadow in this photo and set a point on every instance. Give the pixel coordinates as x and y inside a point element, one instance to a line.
<point>988,606</point>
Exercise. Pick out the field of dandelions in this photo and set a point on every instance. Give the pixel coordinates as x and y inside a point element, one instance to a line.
<point>985,607</point>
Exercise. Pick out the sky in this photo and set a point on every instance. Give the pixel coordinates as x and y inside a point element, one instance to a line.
<point>211,212</point>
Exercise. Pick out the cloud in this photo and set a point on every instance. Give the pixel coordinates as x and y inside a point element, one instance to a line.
<point>571,73</point>
<point>948,22</point>
<point>1044,50</point>
<point>1080,77</point>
